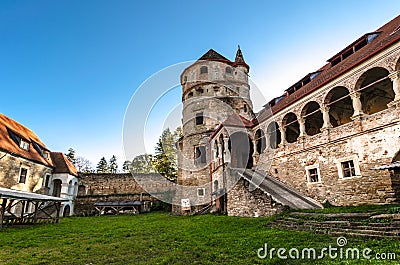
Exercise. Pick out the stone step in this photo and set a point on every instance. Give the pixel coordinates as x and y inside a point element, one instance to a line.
<point>351,229</point>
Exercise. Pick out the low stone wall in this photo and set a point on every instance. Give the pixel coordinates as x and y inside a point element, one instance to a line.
<point>97,187</point>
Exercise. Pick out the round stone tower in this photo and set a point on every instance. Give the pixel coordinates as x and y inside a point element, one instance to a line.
<point>213,88</point>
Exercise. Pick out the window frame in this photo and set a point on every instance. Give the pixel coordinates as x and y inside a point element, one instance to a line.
<point>20,174</point>
<point>203,70</point>
<point>199,119</point>
<point>46,180</point>
<point>198,159</point>
<point>24,145</point>
<point>203,191</point>
<point>308,174</point>
<point>341,169</point>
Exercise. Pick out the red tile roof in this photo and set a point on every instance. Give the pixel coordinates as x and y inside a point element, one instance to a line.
<point>235,120</point>
<point>62,164</point>
<point>8,145</point>
<point>387,37</point>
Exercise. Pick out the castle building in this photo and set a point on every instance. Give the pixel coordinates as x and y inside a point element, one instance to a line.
<point>333,136</point>
<point>27,165</point>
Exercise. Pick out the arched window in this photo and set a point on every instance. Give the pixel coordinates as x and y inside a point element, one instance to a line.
<point>241,150</point>
<point>75,189</point>
<point>228,70</point>
<point>203,70</point>
<point>274,135</point>
<point>376,90</point>
<point>312,116</point>
<point>216,148</point>
<point>70,187</point>
<point>215,185</point>
<point>340,106</point>
<point>260,141</point>
<point>292,128</point>
<point>56,188</point>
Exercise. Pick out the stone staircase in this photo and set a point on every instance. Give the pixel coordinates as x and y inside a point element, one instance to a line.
<point>348,225</point>
<point>280,192</point>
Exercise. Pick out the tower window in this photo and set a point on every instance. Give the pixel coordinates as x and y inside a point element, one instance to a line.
<point>228,70</point>
<point>200,91</point>
<point>200,192</point>
<point>199,118</point>
<point>200,155</point>
<point>203,70</point>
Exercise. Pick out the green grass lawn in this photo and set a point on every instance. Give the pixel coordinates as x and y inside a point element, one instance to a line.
<point>160,238</point>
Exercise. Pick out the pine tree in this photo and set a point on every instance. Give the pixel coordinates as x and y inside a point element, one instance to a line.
<point>126,167</point>
<point>102,166</point>
<point>165,161</point>
<point>113,166</point>
<point>71,155</point>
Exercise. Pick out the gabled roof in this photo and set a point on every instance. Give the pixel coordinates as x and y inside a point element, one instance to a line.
<point>9,126</point>
<point>389,34</point>
<point>235,120</point>
<point>62,164</point>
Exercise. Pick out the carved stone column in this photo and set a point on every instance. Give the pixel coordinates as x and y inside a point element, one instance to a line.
<point>255,152</point>
<point>395,78</point>
<point>302,126</point>
<point>357,105</point>
<point>227,154</point>
<point>219,146</point>
<point>325,116</point>
<point>283,136</point>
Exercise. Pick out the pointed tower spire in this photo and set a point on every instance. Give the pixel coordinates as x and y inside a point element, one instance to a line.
<point>239,56</point>
<point>239,60</point>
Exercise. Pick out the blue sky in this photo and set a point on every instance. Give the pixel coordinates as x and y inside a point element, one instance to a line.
<point>68,69</point>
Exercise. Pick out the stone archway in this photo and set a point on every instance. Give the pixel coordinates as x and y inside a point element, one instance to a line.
<point>292,127</point>
<point>66,211</point>
<point>376,90</point>
<point>340,106</point>
<point>313,119</point>
<point>241,150</point>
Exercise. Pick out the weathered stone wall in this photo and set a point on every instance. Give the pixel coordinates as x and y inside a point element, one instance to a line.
<point>370,142</point>
<point>242,202</point>
<point>84,205</point>
<point>122,183</point>
<point>96,187</point>
<point>10,167</point>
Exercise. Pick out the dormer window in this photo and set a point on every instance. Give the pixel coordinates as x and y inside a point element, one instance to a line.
<point>37,147</point>
<point>24,145</point>
<point>46,154</point>
<point>203,70</point>
<point>354,47</point>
